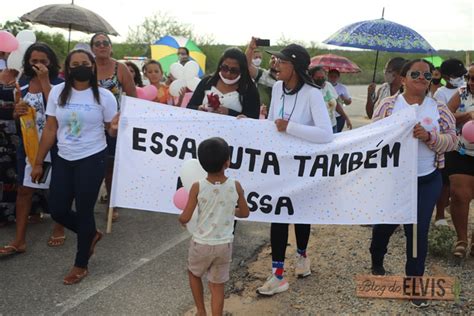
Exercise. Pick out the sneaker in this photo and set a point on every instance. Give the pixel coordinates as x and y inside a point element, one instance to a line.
<point>378,270</point>
<point>303,267</point>
<point>273,285</point>
<point>420,303</point>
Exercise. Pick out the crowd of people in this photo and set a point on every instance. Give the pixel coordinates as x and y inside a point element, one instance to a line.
<point>77,120</point>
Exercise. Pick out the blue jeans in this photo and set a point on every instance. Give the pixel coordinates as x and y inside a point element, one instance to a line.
<point>429,188</point>
<point>340,122</point>
<point>77,180</point>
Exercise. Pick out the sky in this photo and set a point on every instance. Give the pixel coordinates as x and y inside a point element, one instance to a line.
<point>445,25</point>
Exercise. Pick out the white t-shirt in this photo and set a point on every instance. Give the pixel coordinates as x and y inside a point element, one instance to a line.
<point>428,115</point>
<point>444,94</point>
<point>305,110</point>
<point>329,93</point>
<point>216,210</point>
<point>341,90</point>
<point>81,121</point>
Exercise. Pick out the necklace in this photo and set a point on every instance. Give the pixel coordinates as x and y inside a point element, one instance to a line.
<point>282,111</point>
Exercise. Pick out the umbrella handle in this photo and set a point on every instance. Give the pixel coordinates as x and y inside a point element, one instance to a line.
<point>375,66</point>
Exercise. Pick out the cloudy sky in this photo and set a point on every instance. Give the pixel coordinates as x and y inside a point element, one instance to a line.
<point>445,25</point>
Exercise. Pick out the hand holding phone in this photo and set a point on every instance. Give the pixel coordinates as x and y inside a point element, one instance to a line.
<point>262,42</point>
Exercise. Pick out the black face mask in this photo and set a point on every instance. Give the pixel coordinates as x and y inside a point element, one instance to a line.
<point>436,81</point>
<point>81,73</point>
<point>319,82</point>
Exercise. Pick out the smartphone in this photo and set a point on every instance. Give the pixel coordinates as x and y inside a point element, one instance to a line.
<point>262,42</point>
<point>46,171</point>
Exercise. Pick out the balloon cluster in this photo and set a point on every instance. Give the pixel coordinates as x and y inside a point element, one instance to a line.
<point>16,46</point>
<point>191,171</point>
<point>468,131</point>
<point>185,76</point>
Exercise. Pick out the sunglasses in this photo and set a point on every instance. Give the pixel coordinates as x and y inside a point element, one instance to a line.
<point>416,74</point>
<point>104,43</point>
<point>231,70</point>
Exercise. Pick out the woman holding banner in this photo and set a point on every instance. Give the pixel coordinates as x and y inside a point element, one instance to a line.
<point>78,111</point>
<point>297,108</point>
<point>436,135</point>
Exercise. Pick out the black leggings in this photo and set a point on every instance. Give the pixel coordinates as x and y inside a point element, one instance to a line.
<point>279,238</point>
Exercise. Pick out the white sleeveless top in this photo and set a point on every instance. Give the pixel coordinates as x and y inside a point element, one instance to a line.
<point>216,210</point>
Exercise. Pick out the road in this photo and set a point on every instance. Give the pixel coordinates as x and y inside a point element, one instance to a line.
<point>138,269</point>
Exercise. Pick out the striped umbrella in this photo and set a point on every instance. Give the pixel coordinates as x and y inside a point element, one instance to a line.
<point>331,61</point>
<point>165,51</point>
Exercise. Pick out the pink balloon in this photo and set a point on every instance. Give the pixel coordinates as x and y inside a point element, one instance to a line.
<point>180,198</point>
<point>468,131</point>
<point>8,42</point>
<point>140,93</point>
<point>151,92</point>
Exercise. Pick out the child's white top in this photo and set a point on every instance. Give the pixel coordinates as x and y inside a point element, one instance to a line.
<point>216,210</point>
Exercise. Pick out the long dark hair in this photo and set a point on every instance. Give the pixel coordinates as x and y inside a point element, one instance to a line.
<point>138,77</point>
<point>53,67</point>
<point>245,83</point>
<point>68,81</point>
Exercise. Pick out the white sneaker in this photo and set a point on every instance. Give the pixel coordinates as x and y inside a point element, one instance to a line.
<point>303,267</point>
<point>273,285</point>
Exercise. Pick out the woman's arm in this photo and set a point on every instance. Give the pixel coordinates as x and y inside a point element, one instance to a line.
<point>251,106</point>
<point>446,139</point>
<point>454,103</point>
<point>126,80</point>
<point>47,141</point>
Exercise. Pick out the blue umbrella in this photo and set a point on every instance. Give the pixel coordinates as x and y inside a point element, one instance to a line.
<point>380,35</point>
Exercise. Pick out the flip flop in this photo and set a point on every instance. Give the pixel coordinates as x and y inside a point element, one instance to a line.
<point>10,250</point>
<point>74,278</point>
<point>56,241</point>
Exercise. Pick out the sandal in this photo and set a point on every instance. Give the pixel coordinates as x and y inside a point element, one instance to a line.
<point>10,250</point>
<point>56,241</point>
<point>98,236</point>
<point>74,278</point>
<point>460,249</point>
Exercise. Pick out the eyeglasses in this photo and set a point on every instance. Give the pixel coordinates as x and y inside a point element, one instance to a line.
<point>416,74</point>
<point>104,43</point>
<point>231,70</point>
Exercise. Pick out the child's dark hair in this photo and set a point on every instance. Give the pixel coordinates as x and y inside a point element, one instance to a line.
<point>213,153</point>
<point>152,62</point>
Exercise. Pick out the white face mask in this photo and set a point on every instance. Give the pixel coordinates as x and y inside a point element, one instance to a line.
<point>257,62</point>
<point>457,82</point>
<point>388,77</point>
<point>229,81</point>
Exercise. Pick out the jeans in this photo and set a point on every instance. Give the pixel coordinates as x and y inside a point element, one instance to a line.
<point>279,238</point>
<point>80,181</point>
<point>340,122</point>
<point>429,188</point>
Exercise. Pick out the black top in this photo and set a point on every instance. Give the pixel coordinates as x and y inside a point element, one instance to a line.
<point>250,101</point>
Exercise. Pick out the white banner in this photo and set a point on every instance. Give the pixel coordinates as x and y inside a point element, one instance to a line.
<point>365,176</point>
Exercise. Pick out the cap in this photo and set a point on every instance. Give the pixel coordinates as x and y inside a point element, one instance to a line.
<point>294,53</point>
<point>453,68</point>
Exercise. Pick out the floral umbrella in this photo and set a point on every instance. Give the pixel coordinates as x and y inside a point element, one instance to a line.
<point>331,61</point>
<point>380,35</point>
<point>165,51</point>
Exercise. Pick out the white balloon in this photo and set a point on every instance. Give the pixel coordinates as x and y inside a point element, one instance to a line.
<point>192,83</point>
<point>23,46</point>
<point>26,36</point>
<point>191,69</point>
<point>15,60</point>
<point>191,171</point>
<point>177,71</point>
<point>176,86</point>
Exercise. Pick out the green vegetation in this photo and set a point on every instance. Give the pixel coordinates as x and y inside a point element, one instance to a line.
<point>137,44</point>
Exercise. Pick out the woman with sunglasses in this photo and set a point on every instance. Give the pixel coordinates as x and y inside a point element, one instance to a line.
<point>230,90</point>
<point>116,78</point>
<point>460,167</point>
<point>78,112</point>
<point>297,108</point>
<point>436,135</point>
<point>40,74</point>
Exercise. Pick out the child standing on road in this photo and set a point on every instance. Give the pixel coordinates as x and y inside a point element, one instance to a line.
<point>210,249</point>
